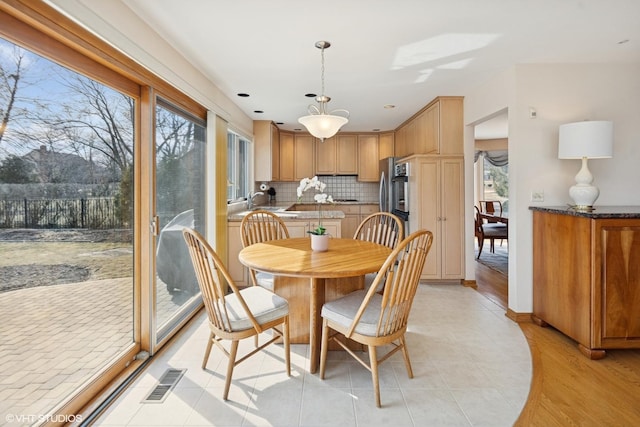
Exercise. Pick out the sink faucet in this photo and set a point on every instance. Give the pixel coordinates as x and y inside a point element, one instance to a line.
<point>251,196</point>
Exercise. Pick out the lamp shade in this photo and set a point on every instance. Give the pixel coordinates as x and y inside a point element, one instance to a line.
<point>323,125</point>
<point>590,139</point>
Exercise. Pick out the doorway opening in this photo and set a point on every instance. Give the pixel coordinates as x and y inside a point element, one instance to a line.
<point>491,198</point>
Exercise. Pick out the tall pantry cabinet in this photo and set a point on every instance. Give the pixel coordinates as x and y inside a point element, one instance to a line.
<point>436,194</point>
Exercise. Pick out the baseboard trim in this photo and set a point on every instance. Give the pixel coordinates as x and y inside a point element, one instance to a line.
<point>470,284</point>
<point>518,317</point>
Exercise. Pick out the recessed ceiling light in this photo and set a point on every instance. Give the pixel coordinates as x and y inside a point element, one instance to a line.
<point>297,129</point>
<point>258,111</point>
<point>623,41</point>
<point>279,123</point>
<point>375,130</point>
<point>310,95</point>
<point>389,106</point>
<point>243,95</point>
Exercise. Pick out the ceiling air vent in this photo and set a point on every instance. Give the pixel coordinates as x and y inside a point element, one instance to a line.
<point>168,380</point>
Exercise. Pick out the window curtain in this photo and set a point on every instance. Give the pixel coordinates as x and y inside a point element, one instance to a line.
<point>496,158</point>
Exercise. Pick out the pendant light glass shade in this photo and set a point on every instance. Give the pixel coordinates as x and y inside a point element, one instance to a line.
<point>319,123</point>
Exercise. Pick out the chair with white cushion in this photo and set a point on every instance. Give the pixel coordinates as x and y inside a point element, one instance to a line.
<point>261,226</point>
<point>238,314</point>
<point>373,319</point>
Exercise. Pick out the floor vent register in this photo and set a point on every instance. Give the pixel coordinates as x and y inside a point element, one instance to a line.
<point>168,380</point>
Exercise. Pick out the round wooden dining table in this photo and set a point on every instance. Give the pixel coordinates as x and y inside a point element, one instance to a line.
<point>307,278</point>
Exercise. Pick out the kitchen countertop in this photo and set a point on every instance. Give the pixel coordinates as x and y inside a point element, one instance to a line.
<point>599,212</point>
<point>281,210</point>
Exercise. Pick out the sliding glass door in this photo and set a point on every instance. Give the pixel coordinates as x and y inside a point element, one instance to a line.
<point>67,287</point>
<point>180,202</point>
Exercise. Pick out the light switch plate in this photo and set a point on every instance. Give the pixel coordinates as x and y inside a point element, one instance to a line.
<point>537,196</point>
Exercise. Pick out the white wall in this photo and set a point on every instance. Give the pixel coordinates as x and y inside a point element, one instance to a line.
<point>117,24</point>
<point>560,93</point>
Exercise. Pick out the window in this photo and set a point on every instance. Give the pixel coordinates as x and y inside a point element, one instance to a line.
<point>496,182</point>
<point>238,167</point>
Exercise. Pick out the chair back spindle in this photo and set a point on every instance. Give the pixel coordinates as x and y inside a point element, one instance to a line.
<point>382,228</point>
<point>257,227</point>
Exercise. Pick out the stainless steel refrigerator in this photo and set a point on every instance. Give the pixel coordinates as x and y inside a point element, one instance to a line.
<point>387,171</point>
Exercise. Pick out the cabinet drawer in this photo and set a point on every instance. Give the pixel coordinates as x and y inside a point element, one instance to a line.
<point>348,209</point>
<point>369,209</point>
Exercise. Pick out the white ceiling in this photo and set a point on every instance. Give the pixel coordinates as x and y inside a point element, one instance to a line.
<point>400,52</point>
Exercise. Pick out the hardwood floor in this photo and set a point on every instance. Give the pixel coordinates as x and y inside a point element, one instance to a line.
<point>567,388</point>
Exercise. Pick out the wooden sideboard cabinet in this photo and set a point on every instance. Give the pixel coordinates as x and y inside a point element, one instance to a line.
<point>586,275</point>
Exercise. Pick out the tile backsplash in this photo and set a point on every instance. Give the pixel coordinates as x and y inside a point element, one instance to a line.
<point>339,187</point>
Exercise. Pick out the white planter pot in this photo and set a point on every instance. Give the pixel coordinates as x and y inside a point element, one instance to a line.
<point>319,243</point>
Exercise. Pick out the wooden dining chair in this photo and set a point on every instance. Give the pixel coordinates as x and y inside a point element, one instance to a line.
<point>261,226</point>
<point>237,315</point>
<point>383,228</point>
<point>373,319</point>
<point>492,207</point>
<point>489,231</point>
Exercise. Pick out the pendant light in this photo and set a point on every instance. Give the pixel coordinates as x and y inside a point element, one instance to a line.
<point>319,123</point>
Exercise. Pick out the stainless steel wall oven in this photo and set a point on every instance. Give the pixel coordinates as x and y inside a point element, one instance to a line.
<point>400,191</point>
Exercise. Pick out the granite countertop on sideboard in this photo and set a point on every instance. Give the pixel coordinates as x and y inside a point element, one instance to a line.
<point>598,212</point>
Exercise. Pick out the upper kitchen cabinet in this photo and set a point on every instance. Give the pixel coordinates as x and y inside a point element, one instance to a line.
<point>303,155</point>
<point>267,151</point>
<point>296,156</point>
<point>368,158</point>
<point>436,129</point>
<point>386,145</point>
<point>337,155</point>
<point>287,149</point>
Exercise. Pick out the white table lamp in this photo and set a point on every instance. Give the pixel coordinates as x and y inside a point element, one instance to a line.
<point>585,140</point>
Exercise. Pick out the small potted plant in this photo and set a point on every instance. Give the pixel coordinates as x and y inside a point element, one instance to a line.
<point>319,238</point>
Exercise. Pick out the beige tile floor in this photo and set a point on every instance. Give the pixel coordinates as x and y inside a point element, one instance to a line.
<point>472,367</point>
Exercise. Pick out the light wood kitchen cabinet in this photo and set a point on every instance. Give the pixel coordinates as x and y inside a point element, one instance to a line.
<point>386,145</point>
<point>366,210</point>
<point>351,218</point>
<point>267,151</point>
<point>368,158</point>
<point>296,228</point>
<point>238,272</point>
<point>436,197</point>
<point>337,155</point>
<point>586,279</point>
<point>405,139</point>
<point>450,120</point>
<point>303,156</point>
<point>326,156</point>
<point>287,172</point>
<point>428,130</point>
<point>301,228</point>
<point>436,129</point>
